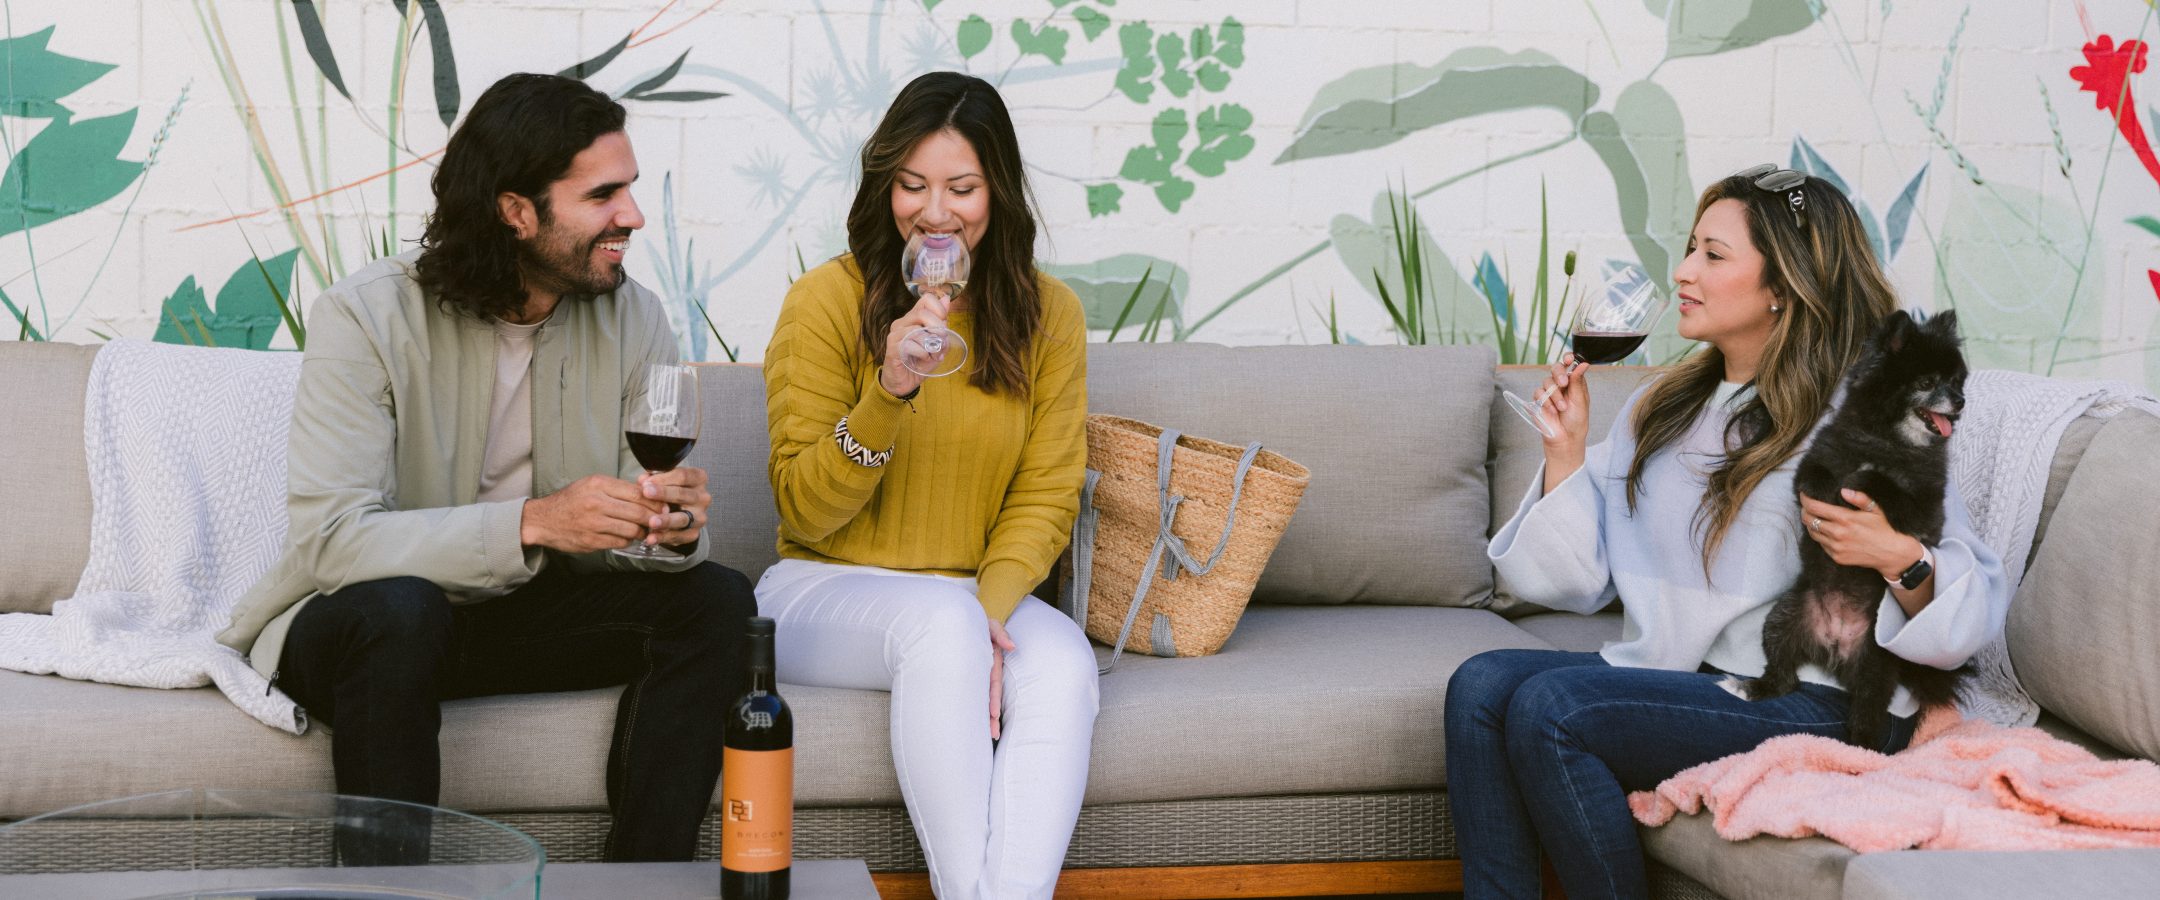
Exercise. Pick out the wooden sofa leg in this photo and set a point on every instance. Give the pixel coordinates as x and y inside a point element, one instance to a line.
<point>1551,881</point>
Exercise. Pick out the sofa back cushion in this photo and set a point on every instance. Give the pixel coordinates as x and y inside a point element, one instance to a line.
<point>44,482</point>
<point>732,447</point>
<point>2084,630</point>
<point>1395,438</point>
<point>1518,452</point>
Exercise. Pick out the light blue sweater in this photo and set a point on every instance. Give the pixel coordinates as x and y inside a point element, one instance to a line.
<point>1578,547</point>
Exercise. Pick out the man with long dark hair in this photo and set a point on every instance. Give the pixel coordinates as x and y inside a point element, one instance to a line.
<point>458,475</point>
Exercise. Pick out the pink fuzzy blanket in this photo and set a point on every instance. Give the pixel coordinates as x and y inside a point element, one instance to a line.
<point>1977,786</point>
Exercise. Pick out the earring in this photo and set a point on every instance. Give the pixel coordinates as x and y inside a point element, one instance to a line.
<point>1774,309</point>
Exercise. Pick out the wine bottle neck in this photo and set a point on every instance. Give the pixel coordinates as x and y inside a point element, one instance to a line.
<point>760,662</point>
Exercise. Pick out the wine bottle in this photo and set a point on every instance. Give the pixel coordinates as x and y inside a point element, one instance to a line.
<point>757,778</point>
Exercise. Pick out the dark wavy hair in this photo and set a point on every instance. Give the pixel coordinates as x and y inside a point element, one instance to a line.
<point>1002,289</point>
<point>520,136</point>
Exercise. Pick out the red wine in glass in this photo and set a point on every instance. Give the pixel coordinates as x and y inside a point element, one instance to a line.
<point>1601,347</point>
<point>1610,320</point>
<point>658,452</point>
<point>660,430</point>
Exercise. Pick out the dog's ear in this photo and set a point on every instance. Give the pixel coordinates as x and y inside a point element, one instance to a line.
<point>1895,330</point>
<point>1945,323</point>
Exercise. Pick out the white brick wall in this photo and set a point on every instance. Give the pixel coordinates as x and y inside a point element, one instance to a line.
<point>1842,83</point>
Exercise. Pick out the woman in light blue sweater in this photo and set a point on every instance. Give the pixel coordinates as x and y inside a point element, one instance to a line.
<point>1687,511</point>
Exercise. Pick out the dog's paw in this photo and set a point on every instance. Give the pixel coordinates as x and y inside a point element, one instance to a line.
<point>1735,685</point>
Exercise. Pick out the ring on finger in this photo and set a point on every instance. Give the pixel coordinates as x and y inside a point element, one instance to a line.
<point>1816,526</point>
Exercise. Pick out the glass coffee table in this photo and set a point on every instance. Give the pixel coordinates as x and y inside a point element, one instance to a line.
<point>265,844</point>
<point>285,845</point>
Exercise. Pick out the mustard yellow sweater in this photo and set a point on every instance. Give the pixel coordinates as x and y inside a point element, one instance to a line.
<point>979,484</point>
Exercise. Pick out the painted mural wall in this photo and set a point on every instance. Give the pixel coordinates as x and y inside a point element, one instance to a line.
<point>1238,171</point>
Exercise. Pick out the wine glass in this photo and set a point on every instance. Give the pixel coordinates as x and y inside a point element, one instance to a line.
<point>661,430</point>
<point>1610,321</point>
<point>934,264</point>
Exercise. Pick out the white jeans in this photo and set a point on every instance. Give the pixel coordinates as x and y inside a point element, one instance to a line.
<point>993,823</point>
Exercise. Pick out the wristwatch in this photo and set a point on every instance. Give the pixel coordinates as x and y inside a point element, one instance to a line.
<point>1916,574</point>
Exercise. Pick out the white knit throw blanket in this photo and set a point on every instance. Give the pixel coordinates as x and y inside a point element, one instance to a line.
<point>186,449</point>
<point>1999,460</point>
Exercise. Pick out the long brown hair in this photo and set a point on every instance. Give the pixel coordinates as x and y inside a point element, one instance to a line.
<point>1002,291</point>
<point>1832,293</point>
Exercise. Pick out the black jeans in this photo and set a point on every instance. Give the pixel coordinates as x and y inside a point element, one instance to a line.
<point>376,660</point>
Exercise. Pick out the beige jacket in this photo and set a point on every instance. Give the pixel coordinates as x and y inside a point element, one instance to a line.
<point>390,425</point>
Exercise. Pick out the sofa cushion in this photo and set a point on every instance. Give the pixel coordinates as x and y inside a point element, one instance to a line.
<point>70,742</point>
<point>1395,438</point>
<point>1803,869</point>
<point>44,482</point>
<point>1571,632</point>
<point>1961,874</point>
<point>1369,679</point>
<point>732,448</point>
<point>2084,630</point>
<point>1518,452</point>
<point>1301,700</point>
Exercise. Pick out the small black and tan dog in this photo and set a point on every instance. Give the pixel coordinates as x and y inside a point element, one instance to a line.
<point>1889,439</point>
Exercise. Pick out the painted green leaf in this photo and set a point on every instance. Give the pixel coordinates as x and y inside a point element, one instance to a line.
<point>929,5</point>
<point>445,61</point>
<point>1222,138</point>
<point>1212,76</point>
<point>1092,22</point>
<point>246,314</point>
<point>1171,52</point>
<point>318,44</point>
<point>1146,164</point>
<point>592,66</point>
<point>1643,143</point>
<point>1377,106</point>
<point>2146,222</point>
<point>678,96</point>
<point>1173,193</point>
<point>1136,42</point>
<point>1805,159</point>
<point>1364,246</point>
<point>1105,285</point>
<point>1169,130</point>
<point>1900,216</point>
<point>660,80</point>
<point>1103,199</point>
<point>973,35</point>
<point>70,166</point>
<point>1658,7</point>
<point>1049,43</point>
<point>34,79</point>
<point>1704,27</point>
<point>24,331</point>
<point>1230,42</point>
<point>1203,44</point>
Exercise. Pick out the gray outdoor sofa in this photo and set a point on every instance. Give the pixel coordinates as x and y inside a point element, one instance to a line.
<point>1311,745</point>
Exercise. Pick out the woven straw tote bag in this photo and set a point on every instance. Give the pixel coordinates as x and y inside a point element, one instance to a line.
<point>1153,498</point>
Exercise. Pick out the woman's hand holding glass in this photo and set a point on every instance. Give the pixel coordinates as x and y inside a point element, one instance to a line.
<point>1567,410</point>
<point>928,314</point>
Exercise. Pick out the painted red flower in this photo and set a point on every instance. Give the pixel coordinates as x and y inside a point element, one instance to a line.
<point>2107,74</point>
<point>2154,277</point>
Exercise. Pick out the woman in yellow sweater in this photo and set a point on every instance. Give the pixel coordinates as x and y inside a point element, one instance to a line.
<point>916,514</point>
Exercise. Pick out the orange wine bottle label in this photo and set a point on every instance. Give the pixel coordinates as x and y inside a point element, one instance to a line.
<point>757,816</point>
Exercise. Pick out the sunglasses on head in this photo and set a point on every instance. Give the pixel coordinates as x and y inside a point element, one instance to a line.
<point>1780,181</point>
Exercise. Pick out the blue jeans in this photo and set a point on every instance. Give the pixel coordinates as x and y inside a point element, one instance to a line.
<point>1543,747</point>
